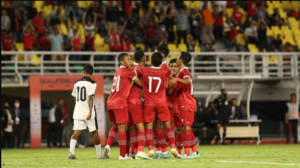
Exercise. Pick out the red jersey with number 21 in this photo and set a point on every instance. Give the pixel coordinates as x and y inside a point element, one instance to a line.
<point>154,85</point>
<point>185,92</point>
<point>120,89</point>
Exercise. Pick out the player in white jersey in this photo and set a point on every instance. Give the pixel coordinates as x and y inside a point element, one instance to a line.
<point>84,113</point>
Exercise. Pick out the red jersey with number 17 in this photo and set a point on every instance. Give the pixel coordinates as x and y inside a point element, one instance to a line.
<point>154,85</point>
<point>120,89</point>
<point>135,91</point>
<point>185,92</point>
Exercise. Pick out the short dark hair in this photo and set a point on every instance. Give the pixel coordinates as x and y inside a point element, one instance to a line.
<point>138,56</point>
<point>88,68</point>
<point>222,90</point>
<point>293,94</point>
<point>163,49</point>
<point>172,61</point>
<point>186,57</point>
<point>156,59</point>
<point>233,99</point>
<point>121,57</point>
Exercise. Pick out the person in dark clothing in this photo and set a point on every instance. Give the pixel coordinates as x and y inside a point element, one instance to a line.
<point>8,131</point>
<point>111,16</point>
<point>262,36</point>
<point>292,117</point>
<point>169,22</point>
<point>235,110</point>
<point>19,122</point>
<point>3,122</point>
<point>31,11</point>
<point>195,22</point>
<point>54,118</point>
<point>222,110</point>
<point>277,44</point>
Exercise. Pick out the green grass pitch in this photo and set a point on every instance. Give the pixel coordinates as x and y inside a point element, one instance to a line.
<point>238,156</point>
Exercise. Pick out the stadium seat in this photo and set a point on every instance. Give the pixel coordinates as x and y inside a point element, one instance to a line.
<point>269,32</point>
<point>197,48</point>
<point>173,48</point>
<point>35,60</point>
<point>287,5</point>
<point>64,29</point>
<point>39,5</point>
<point>290,39</point>
<point>240,39</point>
<point>142,46</point>
<point>182,47</point>
<point>252,48</point>
<point>277,4</point>
<point>286,30</point>
<point>229,11</point>
<point>47,9</point>
<point>19,46</point>
<point>276,31</point>
<point>81,4</point>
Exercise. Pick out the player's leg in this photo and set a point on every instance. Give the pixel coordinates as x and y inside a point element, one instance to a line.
<point>157,125</point>
<point>224,133</point>
<point>133,140</point>
<point>79,125</point>
<point>111,134</point>
<point>179,139</point>
<point>149,115</point>
<point>73,142</point>
<point>92,125</point>
<point>164,115</point>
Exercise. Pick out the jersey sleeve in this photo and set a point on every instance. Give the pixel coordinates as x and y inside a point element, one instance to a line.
<point>186,74</point>
<point>74,92</point>
<point>179,85</point>
<point>215,101</point>
<point>92,89</point>
<point>139,71</point>
<point>131,75</point>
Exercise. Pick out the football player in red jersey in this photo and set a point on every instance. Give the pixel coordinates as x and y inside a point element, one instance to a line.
<point>155,83</point>
<point>136,112</point>
<point>158,125</point>
<point>172,100</point>
<point>187,104</point>
<point>117,102</point>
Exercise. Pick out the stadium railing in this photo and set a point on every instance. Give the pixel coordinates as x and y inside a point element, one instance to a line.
<point>203,65</point>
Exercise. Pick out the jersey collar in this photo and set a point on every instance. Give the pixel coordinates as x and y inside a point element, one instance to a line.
<point>135,63</point>
<point>182,69</point>
<point>122,66</point>
<point>155,67</point>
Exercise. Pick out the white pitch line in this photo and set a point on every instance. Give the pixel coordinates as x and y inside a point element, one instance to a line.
<point>258,163</point>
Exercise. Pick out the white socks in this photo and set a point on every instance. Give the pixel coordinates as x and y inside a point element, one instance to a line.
<point>98,149</point>
<point>194,153</point>
<point>72,146</point>
<point>165,153</point>
<point>158,151</point>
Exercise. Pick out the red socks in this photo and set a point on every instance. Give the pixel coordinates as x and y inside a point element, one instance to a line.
<point>141,140</point>
<point>156,142</point>
<point>149,139</point>
<point>171,136</point>
<point>122,140</point>
<point>187,143</point>
<point>194,145</point>
<point>161,139</point>
<point>179,142</point>
<point>111,135</point>
<point>134,143</point>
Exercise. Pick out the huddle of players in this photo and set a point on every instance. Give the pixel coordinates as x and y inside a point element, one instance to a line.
<point>146,98</point>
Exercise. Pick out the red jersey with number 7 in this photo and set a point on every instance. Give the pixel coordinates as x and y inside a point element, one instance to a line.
<point>120,89</point>
<point>154,85</point>
<point>185,92</point>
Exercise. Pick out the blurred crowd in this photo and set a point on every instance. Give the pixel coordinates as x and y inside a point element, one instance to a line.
<point>123,24</point>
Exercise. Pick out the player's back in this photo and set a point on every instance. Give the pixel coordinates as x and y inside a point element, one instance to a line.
<point>135,91</point>
<point>120,89</point>
<point>154,85</point>
<point>186,93</point>
<point>83,88</point>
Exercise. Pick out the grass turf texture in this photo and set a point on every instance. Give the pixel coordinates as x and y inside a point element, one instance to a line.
<point>247,156</point>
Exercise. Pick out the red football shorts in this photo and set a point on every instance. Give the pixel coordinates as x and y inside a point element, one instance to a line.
<point>119,116</point>
<point>187,117</point>
<point>176,119</point>
<point>162,112</point>
<point>136,113</point>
